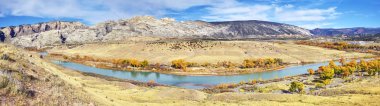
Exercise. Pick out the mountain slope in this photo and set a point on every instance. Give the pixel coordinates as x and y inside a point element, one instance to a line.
<point>254,28</point>
<point>345,31</point>
<point>56,33</point>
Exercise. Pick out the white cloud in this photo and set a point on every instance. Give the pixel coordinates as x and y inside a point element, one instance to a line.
<point>316,25</point>
<point>94,10</point>
<point>291,14</point>
<point>285,13</point>
<point>233,10</point>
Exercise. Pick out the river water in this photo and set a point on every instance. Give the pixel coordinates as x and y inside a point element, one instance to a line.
<point>191,82</point>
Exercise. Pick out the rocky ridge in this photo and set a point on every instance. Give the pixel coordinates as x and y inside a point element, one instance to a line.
<point>56,33</point>
<point>345,31</point>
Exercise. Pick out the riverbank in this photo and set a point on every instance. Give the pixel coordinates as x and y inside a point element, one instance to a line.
<point>323,81</point>
<point>200,70</point>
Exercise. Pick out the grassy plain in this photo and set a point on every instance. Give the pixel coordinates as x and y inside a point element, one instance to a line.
<point>207,51</point>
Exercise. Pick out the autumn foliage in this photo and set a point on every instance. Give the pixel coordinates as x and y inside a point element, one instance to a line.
<point>326,73</point>
<point>332,45</point>
<point>311,71</point>
<point>262,63</point>
<point>296,87</point>
<point>180,64</point>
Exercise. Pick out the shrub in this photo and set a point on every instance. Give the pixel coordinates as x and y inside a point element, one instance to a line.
<point>333,65</point>
<point>151,83</point>
<point>3,82</point>
<point>352,69</point>
<point>77,57</point>
<point>226,86</point>
<point>345,71</point>
<point>296,87</point>
<point>157,65</point>
<point>125,63</point>
<point>248,64</point>
<point>192,64</point>
<point>311,71</point>
<point>326,81</point>
<point>253,82</point>
<point>179,64</point>
<point>342,61</point>
<point>226,64</point>
<point>363,66</point>
<point>279,61</point>
<point>144,63</point>
<point>374,67</point>
<point>206,64</point>
<point>242,82</point>
<point>65,57</point>
<point>267,62</point>
<point>134,63</point>
<point>319,85</point>
<point>326,72</point>
<point>352,63</point>
<point>338,70</point>
<point>117,62</point>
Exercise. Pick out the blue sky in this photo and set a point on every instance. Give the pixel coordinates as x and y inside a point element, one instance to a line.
<point>305,13</point>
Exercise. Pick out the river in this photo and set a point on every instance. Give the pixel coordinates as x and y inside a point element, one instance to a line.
<point>191,82</point>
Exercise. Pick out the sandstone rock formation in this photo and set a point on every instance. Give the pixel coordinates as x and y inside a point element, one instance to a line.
<point>56,33</point>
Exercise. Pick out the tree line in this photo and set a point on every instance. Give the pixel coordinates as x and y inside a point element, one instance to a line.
<point>326,73</point>
<point>247,63</point>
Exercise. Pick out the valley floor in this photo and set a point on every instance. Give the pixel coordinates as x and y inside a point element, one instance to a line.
<point>105,91</point>
<point>113,92</point>
<point>208,51</point>
<point>203,52</point>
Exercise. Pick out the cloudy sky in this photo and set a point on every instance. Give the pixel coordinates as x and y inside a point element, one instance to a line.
<point>305,13</point>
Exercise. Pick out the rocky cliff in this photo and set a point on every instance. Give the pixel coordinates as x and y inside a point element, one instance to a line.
<point>14,31</point>
<point>55,33</point>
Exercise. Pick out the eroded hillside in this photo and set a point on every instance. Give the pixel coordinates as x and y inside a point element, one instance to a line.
<point>24,81</point>
<point>57,33</point>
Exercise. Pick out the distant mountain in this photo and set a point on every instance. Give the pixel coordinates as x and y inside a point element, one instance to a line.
<point>345,31</point>
<point>255,28</point>
<point>7,33</point>
<point>55,33</point>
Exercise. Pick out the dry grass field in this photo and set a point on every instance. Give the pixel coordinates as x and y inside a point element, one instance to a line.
<point>207,51</point>
<point>103,91</point>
